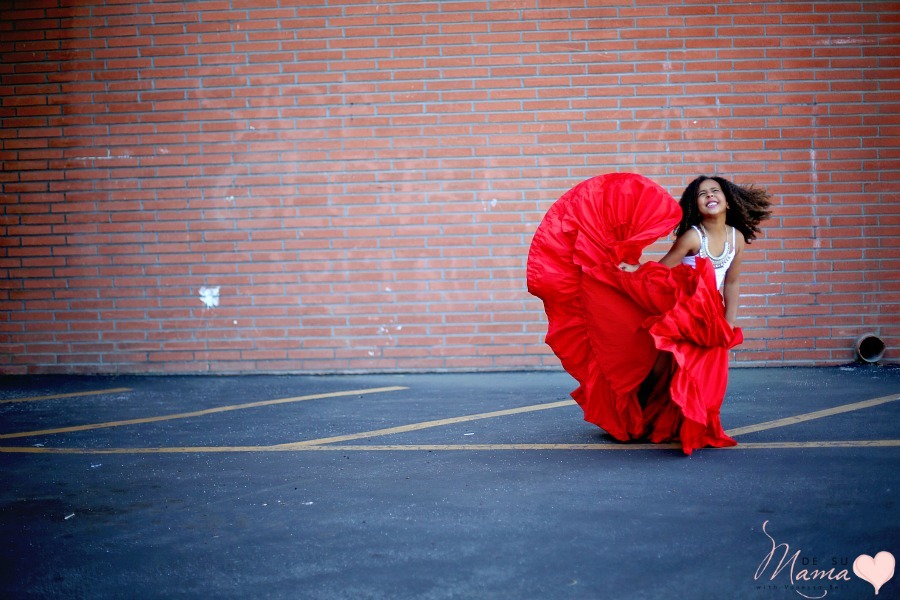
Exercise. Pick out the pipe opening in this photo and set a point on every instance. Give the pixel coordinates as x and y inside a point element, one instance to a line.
<point>870,348</point>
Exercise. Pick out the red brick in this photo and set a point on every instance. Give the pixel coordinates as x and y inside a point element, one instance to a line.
<point>277,163</point>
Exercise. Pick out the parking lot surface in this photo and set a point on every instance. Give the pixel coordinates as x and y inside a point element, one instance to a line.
<point>439,486</point>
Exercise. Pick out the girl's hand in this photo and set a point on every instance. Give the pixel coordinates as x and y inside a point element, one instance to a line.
<point>628,268</point>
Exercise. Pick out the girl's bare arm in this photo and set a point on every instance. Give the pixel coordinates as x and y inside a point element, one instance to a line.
<point>688,243</point>
<point>732,287</point>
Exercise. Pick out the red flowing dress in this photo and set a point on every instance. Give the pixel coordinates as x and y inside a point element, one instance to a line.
<point>608,326</point>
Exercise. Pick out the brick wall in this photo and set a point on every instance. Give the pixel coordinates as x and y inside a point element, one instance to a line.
<point>360,179</point>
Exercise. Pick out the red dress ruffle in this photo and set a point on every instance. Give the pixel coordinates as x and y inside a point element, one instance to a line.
<point>608,326</point>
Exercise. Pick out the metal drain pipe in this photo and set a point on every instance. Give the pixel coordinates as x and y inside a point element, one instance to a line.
<point>870,348</point>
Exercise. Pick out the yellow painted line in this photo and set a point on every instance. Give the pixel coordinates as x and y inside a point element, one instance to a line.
<point>450,421</point>
<point>447,447</point>
<point>72,395</point>
<point>493,447</point>
<point>606,446</point>
<point>333,448</point>
<point>199,413</point>
<point>833,444</point>
<point>423,425</point>
<point>614,446</point>
<point>812,415</point>
<point>172,450</point>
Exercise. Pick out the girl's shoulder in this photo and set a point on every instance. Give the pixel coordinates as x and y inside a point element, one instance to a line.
<point>690,239</point>
<point>737,238</point>
<point>695,234</point>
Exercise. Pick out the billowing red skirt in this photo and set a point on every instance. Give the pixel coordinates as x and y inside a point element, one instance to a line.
<point>608,326</point>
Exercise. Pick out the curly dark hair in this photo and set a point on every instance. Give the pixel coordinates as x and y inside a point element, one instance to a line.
<point>747,207</point>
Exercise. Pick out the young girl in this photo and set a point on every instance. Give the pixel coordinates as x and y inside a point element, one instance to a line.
<point>648,343</point>
<point>713,211</point>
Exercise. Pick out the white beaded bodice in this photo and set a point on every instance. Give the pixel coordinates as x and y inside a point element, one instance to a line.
<point>721,262</point>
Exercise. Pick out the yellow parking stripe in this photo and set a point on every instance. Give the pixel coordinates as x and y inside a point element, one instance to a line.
<point>446,447</point>
<point>424,425</point>
<point>812,415</point>
<point>331,443</point>
<point>613,446</point>
<point>199,413</point>
<point>72,395</point>
<point>438,423</point>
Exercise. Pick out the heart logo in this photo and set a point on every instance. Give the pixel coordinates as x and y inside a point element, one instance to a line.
<point>876,571</point>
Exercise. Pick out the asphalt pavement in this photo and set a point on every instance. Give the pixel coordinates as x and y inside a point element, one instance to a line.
<point>441,486</point>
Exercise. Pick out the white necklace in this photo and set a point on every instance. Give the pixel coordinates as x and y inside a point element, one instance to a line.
<point>717,261</point>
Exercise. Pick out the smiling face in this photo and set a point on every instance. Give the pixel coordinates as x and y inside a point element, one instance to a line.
<point>710,198</point>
